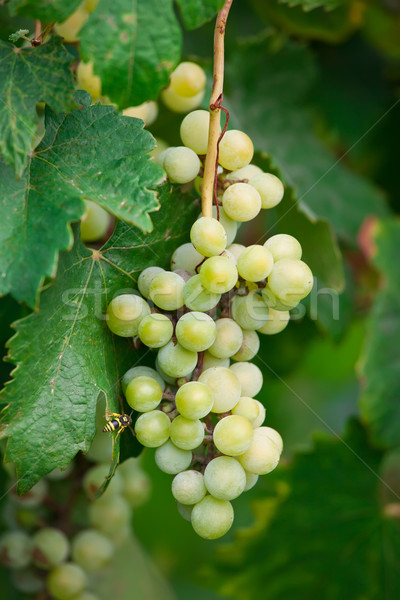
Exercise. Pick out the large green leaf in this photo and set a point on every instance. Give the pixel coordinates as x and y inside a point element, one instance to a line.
<point>308,5</point>
<point>380,366</point>
<point>197,12</point>
<point>27,76</point>
<point>92,153</point>
<point>65,354</point>
<point>321,530</point>
<point>44,10</point>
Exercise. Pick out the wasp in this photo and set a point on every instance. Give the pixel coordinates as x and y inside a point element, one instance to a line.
<point>117,422</point>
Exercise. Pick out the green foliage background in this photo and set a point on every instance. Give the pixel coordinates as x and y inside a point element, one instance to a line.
<point>316,86</point>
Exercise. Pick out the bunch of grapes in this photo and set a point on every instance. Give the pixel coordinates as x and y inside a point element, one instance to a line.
<point>196,408</point>
<point>58,537</point>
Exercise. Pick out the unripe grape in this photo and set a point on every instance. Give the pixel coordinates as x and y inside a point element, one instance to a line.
<point>262,456</point>
<point>87,80</point>
<point>211,361</point>
<point>233,435</point>
<point>241,202</point>
<point>143,394</point>
<point>160,146</point>
<point>227,223</point>
<point>161,156</point>
<point>251,480</point>
<point>139,371</point>
<point>188,487</point>
<point>148,112</point>
<point>136,482</point>
<point>212,518</point>
<point>195,331</point>
<point>70,28</point>
<point>181,164</point>
<point>155,330</point>
<point>225,388</point>
<point>290,280</point>
<point>180,104</point>
<point>94,222</point>
<point>228,340</point>
<point>250,312</point>
<point>188,79</point>
<point>225,478</point>
<point>249,376</point>
<point>235,150</point>
<point>246,172</point>
<point>283,245</point>
<point>167,378</point>
<point>272,301</point>
<point>166,290</point>
<point>197,298</point>
<point>194,400</point>
<point>124,314</point>
<point>269,187</point>
<point>194,131</point>
<point>251,409</point>
<point>186,257</point>
<point>185,510</point>
<point>32,498</point>
<point>255,263</point>
<point>95,477</point>
<point>91,550</point>
<point>110,515</point>
<point>249,347</point>
<point>276,322</point>
<point>176,361</point>
<point>15,550</point>
<point>152,428</point>
<point>27,581</point>
<point>236,250</point>
<point>208,236</point>
<point>66,581</point>
<point>186,433</point>
<point>145,279</point>
<point>171,459</point>
<point>50,547</point>
<point>273,435</point>
<point>218,274</point>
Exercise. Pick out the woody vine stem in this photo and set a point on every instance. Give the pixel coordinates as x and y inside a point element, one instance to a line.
<point>210,167</point>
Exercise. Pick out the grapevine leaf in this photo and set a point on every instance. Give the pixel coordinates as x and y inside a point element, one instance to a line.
<point>319,520</point>
<point>308,5</point>
<point>44,10</point>
<point>27,76</point>
<point>92,153</point>
<point>281,123</point>
<point>197,12</point>
<point>380,361</point>
<point>51,402</point>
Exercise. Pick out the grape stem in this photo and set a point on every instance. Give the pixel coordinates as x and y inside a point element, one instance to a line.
<point>210,166</point>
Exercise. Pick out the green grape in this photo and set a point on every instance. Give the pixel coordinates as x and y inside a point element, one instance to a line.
<point>58,475</point>
<point>225,478</point>
<point>211,361</point>
<point>155,330</point>
<point>218,274</point>
<point>235,150</point>
<point>95,477</point>
<point>290,280</point>
<point>251,409</point>
<point>94,223</point>
<point>195,331</point>
<point>225,388</point>
<point>194,130</point>
<point>171,459</point>
<point>27,581</point>
<point>187,258</point>
<point>249,347</point>
<point>233,435</point>
<point>91,550</point>
<point>160,146</point>
<point>269,187</point>
<point>143,394</point>
<point>176,361</point>
<point>166,378</point>
<point>110,515</point>
<point>188,79</point>
<point>50,547</point>
<point>228,224</point>
<point>166,290</point>
<point>212,518</point>
<point>244,173</point>
<point>124,314</point>
<point>197,298</point>
<point>250,312</point>
<point>241,202</point>
<point>145,279</point>
<point>188,487</point>
<point>148,112</point>
<point>208,236</point>
<point>186,433</point>
<point>251,480</point>
<point>70,28</point>
<point>228,340</point>
<point>272,301</point>
<point>66,581</point>
<point>236,250</point>
<point>138,372</point>
<point>273,435</point>
<point>255,263</point>
<point>161,157</point>
<point>194,400</point>
<point>249,376</point>
<point>33,498</point>
<point>283,245</point>
<point>152,428</point>
<point>181,164</point>
<point>15,550</point>
<point>185,510</point>
<point>276,322</point>
<point>87,80</point>
<point>180,104</point>
<point>262,456</point>
<point>137,484</point>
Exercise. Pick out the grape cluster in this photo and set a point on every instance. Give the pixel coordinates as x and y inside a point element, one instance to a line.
<point>52,546</point>
<point>198,410</point>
